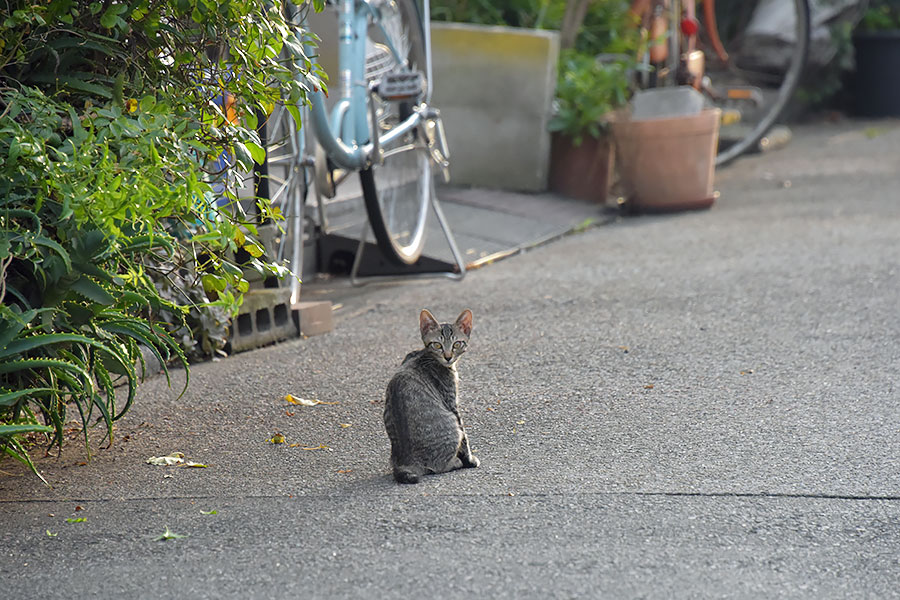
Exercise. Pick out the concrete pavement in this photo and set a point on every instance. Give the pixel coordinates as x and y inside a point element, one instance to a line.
<point>693,405</point>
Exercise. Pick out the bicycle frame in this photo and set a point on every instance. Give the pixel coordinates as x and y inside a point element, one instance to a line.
<point>350,136</point>
<point>346,135</point>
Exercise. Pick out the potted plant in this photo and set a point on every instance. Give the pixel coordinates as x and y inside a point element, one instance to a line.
<point>876,89</point>
<point>588,90</point>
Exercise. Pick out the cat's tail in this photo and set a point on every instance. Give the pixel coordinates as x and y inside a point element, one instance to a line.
<point>407,474</point>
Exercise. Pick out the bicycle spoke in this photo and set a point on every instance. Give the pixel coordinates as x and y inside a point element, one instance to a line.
<point>397,190</point>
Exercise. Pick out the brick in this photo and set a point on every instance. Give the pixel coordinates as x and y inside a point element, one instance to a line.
<point>314,318</point>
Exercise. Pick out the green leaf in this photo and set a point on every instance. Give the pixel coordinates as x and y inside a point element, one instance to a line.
<point>122,360</point>
<point>257,152</point>
<point>80,43</point>
<point>92,291</point>
<point>75,83</point>
<point>111,16</point>
<point>213,283</point>
<point>13,324</point>
<point>14,366</point>
<point>168,534</point>
<point>147,104</point>
<point>78,132</point>
<point>18,452</point>
<point>36,341</point>
<point>10,398</point>
<point>90,268</point>
<point>253,249</point>
<point>17,213</point>
<point>148,242</point>
<point>40,240</point>
<point>242,154</point>
<point>145,336</point>
<point>295,112</point>
<point>11,430</point>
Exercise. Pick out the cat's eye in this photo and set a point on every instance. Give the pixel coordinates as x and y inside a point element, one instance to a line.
<point>458,345</point>
<point>435,345</point>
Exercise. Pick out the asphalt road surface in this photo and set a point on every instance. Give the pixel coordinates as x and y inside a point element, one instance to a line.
<point>677,406</point>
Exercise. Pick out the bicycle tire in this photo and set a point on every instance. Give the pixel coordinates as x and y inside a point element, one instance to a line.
<point>397,191</point>
<point>747,137</point>
<point>281,179</point>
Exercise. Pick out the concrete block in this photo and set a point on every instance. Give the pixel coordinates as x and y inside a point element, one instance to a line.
<point>264,318</point>
<point>314,318</point>
<point>494,87</point>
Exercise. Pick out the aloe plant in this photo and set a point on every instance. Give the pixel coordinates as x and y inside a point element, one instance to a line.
<point>84,337</point>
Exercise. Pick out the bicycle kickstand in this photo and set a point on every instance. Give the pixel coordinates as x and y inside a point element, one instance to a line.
<point>357,280</point>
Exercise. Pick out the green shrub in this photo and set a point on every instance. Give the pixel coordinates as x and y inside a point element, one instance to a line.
<point>534,14</point>
<point>587,90</point>
<point>881,15</point>
<point>109,130</point>
<point>607,26</point>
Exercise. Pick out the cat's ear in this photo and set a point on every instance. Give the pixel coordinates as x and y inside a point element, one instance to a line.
<point>464,322</point>
<point>427,322</point>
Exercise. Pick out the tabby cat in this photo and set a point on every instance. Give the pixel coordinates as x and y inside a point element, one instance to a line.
<point>421,414</point>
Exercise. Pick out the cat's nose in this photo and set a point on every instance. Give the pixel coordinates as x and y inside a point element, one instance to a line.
<point>447,357</point>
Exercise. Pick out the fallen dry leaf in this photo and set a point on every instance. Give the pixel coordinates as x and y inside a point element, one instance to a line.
<point>191,463</point>
<point>176,458</point>
<point>276,439</point>
<point>305,401</point>
<point>319,447</point>
<point>345,425</point>
<point>345,470</point>
<point>649,386</point>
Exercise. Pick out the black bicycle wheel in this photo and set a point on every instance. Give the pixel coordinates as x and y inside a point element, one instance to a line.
<point>398,190</point>
<point>755,72</point>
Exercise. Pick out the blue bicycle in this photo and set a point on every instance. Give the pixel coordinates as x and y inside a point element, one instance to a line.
<point>381,125</point>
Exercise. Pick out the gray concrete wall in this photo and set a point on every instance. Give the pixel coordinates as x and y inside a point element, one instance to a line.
<point>494,87</point>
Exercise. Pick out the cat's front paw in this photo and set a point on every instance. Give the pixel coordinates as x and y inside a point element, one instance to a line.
<point>471,462</point>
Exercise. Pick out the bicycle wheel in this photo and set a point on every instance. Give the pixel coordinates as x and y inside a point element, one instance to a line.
<point>282,179</point>
<point>755,54</point>
<point>398,191</point>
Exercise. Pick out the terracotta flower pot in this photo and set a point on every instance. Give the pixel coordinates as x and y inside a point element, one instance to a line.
<point>584,171</point>
<point>668,164</point>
